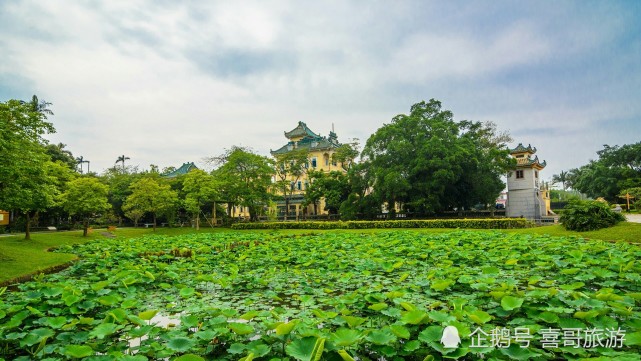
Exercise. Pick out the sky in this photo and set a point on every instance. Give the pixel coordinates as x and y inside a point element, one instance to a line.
<point>168,82</point>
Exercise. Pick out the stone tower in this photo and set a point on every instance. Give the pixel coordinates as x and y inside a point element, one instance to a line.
<point>526,196</point>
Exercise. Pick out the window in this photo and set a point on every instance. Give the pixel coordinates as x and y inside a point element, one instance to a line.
<point>314,162</point>
<point>519,174</point>
<point>536,174</point>
<point>299,185</point>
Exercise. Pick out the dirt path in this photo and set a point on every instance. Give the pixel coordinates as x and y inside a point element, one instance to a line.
<point>636,218</point>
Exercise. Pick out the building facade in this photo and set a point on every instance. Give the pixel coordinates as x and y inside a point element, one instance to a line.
<point>320,151</point>
<point>527,197</point>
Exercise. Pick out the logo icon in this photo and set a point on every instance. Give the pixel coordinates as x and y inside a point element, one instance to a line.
<point>450,338</point>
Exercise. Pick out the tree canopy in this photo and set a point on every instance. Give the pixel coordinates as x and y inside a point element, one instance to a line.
<point>244,179</point>
<point>25,184</point>
<point>150,196</point>
<point>85,197</point>
<point>426,162</point>
<point>618,168</point>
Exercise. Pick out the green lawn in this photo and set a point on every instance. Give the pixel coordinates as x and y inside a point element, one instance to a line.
<point>19,258</point>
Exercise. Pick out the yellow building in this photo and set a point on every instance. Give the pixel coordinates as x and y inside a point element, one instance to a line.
<point>319,158</point>
<point>4,218</point>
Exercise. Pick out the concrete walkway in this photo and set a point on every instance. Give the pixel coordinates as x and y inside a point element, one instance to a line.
<point>636,218</point>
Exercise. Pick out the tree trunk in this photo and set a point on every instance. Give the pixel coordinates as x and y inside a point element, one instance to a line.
<point>252,214</point>
<point>197,221</point>
<point>27,234</point>
<point>85,225</point>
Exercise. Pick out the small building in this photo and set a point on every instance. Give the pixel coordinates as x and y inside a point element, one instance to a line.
<point>184,169</point>
<point>527,197</point>
<point>4,218</point>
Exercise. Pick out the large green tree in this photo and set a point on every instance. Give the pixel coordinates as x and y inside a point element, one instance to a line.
<point>426,162</point>
<point>244,178</point>
<point>290,168</point>
<point>151,196</point>
<point>85,197</point>
<point>25,184</point>
<point>199,188</point>
<point>618,168</point>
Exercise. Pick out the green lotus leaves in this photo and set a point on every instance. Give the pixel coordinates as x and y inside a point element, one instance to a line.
<point>306,349</point>
<point>148,315</point>
<point>510,303</point>
<point>189,357</point>
<point>103,330</point>
<point>241,328</point>
<point>77,351</point>
<point>280,296</point>
<point>381,337</point>
<point>180,344</point>
<point>345,337</point>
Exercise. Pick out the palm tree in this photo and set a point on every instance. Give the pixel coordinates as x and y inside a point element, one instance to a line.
<point>40,106</point>
<point>122,160</point>
<point>561,178</point>
<point>80,160</point>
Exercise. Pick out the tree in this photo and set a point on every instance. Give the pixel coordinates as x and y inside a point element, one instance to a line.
<point>24,183</point>
<point>334,187</point>
<point>119,182</point>
<point>426,162</point>
<point>244,178</point>
<point>199,187</point>
<point>122,159</point>
<point>58,153</point>
<point>150,196</point>
<point>346,154</point>
<point>618,168</point>
<point>290,167</point>
<point>561,178</point>
<point>85,197</point>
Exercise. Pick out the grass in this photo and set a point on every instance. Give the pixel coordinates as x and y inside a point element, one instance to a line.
<point>19,259</point>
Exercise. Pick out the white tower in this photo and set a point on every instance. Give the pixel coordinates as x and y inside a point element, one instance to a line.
<point>525,195</point>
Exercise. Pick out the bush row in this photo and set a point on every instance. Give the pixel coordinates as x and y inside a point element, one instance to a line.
<point>495,223</point>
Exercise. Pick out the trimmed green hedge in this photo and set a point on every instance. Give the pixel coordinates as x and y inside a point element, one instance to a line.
<point>495,223</point>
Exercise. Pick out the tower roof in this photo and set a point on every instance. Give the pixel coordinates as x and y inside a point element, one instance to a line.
<point>521,149</point>
<point>301,130</point>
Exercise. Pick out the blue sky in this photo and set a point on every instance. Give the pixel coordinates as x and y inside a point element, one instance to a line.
<point>167,82</point>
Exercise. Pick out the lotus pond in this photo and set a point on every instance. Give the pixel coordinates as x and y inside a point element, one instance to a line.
<point>332,296</point>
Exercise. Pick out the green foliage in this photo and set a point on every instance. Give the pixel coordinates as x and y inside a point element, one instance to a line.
<point>199,188</point>
<point>150,196</point>
<point>25,184</point>
<point>588,216</point>
<point>85,197</point>
<point>428,162</point>
<point>618,168</point>
<point>289,168</point>
<point>494,223</point>
<point>334,295</point>
<point>244,178</point>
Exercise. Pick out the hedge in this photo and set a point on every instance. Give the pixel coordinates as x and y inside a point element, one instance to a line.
<point>494,223</point>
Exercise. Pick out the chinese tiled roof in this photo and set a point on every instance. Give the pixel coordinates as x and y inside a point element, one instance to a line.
<point>531,162</point>
<point>521,149</point>
<point>310,141</point>
<point>301,130</point>
<point>184,169</point>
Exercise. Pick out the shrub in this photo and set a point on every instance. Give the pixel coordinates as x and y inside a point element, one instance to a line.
<point>588,216</point>
<point>494,223</point>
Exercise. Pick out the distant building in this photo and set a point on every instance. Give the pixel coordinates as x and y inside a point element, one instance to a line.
<point>526,196</point>
<point>184,169</point>
<point>4,218</point>
<point>320,151</point>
